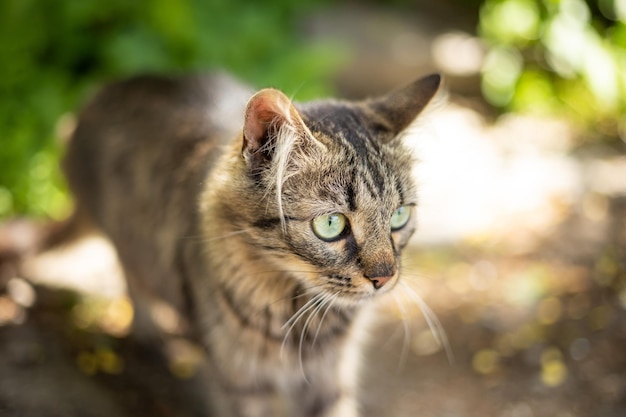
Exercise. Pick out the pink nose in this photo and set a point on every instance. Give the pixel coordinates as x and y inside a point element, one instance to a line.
<point>380,281</point>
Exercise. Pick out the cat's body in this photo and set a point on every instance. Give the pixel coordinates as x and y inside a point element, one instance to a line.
<point>267,226</point>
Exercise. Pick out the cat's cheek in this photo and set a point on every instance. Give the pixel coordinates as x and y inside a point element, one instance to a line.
<point>402,237</point>
<point>331,256</point>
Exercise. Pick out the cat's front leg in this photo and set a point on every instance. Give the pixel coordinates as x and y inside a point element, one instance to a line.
<point>324,393</point>
<point>345,407</point>
<point>326,401</point>
<point>229,401</point>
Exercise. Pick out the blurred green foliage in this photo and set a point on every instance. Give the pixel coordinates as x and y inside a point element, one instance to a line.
<point>557,57</point>
<point>563,57</point>
<point>53,54</point>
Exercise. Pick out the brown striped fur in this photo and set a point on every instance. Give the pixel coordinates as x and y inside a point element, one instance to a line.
<point>209,202</point>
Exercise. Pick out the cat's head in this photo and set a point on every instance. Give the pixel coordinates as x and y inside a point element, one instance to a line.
<point>328,190</point>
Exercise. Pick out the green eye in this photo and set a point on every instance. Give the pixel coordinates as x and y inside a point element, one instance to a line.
<point>329,226</point>
<point>400,217</point>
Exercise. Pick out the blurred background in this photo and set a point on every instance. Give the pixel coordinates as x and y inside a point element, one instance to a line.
<point>521,252</point>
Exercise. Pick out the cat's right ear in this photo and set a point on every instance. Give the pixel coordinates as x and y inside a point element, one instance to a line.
<point>268,112</point>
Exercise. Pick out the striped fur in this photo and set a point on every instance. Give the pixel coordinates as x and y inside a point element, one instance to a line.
<point>214,218</point>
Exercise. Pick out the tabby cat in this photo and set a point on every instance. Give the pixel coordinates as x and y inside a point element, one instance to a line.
<point>268,226</point>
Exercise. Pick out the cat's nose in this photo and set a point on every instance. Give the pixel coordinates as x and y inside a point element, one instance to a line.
<point>379,282</point>
<point>380,274</point>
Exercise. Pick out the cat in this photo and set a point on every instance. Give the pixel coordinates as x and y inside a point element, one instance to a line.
<point>267,225</point>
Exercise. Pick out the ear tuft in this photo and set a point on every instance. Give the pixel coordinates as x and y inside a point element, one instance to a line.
<point>273,136</point>
<point>267,111</point>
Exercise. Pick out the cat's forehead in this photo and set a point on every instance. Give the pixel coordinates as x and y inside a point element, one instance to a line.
<point>357,172</point>
<point>350,133</point>
<point>371,196</point>
<point>336,120</point>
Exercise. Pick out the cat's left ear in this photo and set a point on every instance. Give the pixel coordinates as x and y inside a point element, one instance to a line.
<point>397,110</point>
<point>267,112</point>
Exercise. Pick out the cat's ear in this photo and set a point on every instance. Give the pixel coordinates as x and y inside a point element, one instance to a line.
<point>268,112</point>
<point>397,110</point>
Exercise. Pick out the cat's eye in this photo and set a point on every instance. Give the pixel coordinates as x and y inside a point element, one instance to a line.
<point>400,217</point>
<point>329,227</point>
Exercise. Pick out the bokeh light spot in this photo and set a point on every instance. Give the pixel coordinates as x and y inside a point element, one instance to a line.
<point>486,361</point>
<point>549,310</point>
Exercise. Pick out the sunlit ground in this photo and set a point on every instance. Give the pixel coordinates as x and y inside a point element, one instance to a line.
<point>519,255</point>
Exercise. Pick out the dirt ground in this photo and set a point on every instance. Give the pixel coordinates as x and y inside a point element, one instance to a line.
<point>540,333</point>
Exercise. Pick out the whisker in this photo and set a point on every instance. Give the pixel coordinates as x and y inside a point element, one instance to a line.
<point>297,316</point>
<point>416,270</point>
<point>407,335</point>
<point>433,322</point>
<point>305,292</point>
<point>323,300</point>
<point>331,300</point>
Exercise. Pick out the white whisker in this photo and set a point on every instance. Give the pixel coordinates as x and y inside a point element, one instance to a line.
<point>407,333</point>
<point>331,300</point>
<point>322,301</point>
<point>433,322</point>
<point>297,316</point>
<point>302,310</point>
